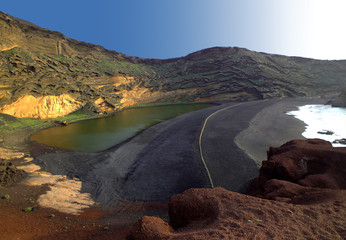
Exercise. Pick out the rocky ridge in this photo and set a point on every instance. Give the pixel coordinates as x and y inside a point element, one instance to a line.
<point>38,62</point>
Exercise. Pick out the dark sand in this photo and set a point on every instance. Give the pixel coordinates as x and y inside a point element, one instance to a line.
<point>272,127</point>
<point>164,160</point>
<point>159,162</point>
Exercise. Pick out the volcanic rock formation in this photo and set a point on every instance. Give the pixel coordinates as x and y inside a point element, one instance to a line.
<point>299,170</point>
<point>309,173</point>
<point>9,173</point>
<point>38,62</point>
<point>42,107</point>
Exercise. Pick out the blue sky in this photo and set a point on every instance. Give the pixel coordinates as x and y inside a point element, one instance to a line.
<point>174,28</point>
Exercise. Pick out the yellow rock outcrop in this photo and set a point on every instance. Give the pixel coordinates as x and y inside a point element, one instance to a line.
<point>8,48</point>
<point>43,107</point>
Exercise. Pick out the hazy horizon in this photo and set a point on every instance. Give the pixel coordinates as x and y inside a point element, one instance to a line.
<point>170,29</point>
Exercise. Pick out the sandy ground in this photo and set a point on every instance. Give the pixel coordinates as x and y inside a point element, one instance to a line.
<point>204,214</point>
<point>156,164</point>
<point>162,161</point>
<point>45,223</point>
<point>46,206</point>
<point>273,127</point>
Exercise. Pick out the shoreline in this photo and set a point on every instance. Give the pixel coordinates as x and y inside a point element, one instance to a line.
<point>120,179</point>
<point>20,139</point>
<point>100,135</point>
<point>323,121</point>
<point>270,126</point>
<point>135,169</point>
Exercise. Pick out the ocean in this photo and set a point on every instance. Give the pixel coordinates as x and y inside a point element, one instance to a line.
<point>321,119</point>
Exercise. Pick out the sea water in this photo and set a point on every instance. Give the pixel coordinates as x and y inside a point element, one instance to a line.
<point>322,118</point>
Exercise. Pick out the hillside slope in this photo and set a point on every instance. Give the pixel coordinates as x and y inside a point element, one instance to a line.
<point>36,62</point>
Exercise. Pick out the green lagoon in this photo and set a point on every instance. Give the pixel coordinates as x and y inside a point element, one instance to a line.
<point>100,134</point>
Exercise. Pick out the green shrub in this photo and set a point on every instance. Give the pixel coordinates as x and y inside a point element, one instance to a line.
<point>28,209</point>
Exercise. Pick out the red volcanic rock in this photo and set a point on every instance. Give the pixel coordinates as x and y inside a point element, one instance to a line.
<point>220,214</point>
<point>205,210</point>
<point>150,228</point>
<point>310,172</point>
<point>297,167</point>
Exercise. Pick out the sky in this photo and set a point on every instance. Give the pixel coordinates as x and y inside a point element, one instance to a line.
<point>174,28</point>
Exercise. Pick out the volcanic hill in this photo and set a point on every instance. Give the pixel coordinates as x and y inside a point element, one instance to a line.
<point>45,74</point>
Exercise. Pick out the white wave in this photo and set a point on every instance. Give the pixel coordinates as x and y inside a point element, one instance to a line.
<point>322,118</point>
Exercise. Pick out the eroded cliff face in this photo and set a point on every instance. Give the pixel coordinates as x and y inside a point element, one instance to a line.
<point>43,107</point>
<point>20,33</point>
<point>39,62</point>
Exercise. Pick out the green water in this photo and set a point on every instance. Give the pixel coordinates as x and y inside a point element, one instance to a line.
<point>100,134</point>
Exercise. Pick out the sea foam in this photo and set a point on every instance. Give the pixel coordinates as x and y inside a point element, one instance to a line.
<point>321,118</point>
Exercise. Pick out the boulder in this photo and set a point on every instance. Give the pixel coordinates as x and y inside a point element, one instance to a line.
<point>220,214</point>
<point>340,141</point>
<point>63,123</point>
<point>299,166</point>
<point>310,173</point>
<point>150,228</point>
<point>9,173</point>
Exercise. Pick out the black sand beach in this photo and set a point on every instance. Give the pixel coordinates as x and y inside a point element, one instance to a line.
<point>272,127</point>
<point>165,159</point>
